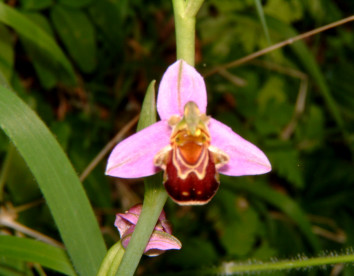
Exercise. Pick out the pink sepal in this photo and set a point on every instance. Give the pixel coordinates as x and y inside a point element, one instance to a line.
<point>245,158</point>
<point>180,84</point>
<point>133,157</point>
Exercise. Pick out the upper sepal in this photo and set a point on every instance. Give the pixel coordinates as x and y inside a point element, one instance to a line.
<point>180,84</point>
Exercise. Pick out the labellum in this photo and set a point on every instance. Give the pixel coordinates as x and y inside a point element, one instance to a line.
<point>190,163</point>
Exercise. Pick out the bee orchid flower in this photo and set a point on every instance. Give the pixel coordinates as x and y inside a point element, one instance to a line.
<point>191,147</point>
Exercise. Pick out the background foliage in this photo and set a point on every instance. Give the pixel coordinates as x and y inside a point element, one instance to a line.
<point>91,82</point>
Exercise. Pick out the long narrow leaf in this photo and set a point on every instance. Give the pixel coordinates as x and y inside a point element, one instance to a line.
<point>37,36</point>
<point>263,20</point>
<point>36,252</point>
<point>58,181</point>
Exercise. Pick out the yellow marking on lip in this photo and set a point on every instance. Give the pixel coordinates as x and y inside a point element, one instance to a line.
<point>185,193</point>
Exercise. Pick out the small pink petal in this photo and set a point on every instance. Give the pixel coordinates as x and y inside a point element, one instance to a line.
<point>166,226</point>
<point>127,218</point>
<point>180,84</point>
<point>160,242</point>
<point>125,239</point>
<point>245,158</point>
<point>133,157</point>
<point>122,224</point>
<point>136,209</point>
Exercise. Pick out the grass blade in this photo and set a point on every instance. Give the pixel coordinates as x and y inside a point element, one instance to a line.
<point>57,180</point>
<point>263,20</point>
<point>36,252</point>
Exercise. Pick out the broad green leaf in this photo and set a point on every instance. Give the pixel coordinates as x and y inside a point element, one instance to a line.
<point>57,180</point>
<point>76,3</point>
<point>38,37</point>
<point>77,34</point>
<point>36,252</point>
<point>35,5</point>
<point>286,161</point>
<point>234,238</point>
<point>6,53</point>
<point>287,11</point>
<point>278,200</point>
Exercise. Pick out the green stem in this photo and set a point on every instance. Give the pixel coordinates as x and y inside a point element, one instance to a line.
<point>155,194</point>
<point>302,262</point>
<point>154,200</point>
<point>185,13</point>
<point>192,7</point>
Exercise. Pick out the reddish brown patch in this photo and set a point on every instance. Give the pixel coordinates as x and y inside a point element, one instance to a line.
<point>191,190</point>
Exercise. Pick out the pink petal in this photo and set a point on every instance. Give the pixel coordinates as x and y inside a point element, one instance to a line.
<point>136,209</point>
<point>180,84</point>
<point>122,224</point>
<point>126,218</point>
<point>133,157</point>
<point>245,158</point>
<point>161,241</point>
<point>158,242</point>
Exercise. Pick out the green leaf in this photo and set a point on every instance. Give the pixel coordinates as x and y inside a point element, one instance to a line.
<point>308,61</point>
<point>148,109</point>
<point>108,17</point>
<point>6,53</point>
<point>278,200</point>
<point>76,3</point>
<point>78,35</point>
<point>35,5</point>
<point>38,37</point>
<point>234,238</point>
<point>36,252</point>
<point>263,20</point>
<point>287,11</point>
<point>287,163</point>
<point>57,180</point>
<point>311,132</point>
<point>46,70</point>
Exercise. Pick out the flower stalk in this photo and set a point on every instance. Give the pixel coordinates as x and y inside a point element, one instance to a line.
<point>185,13</point>
<point>154,199</point>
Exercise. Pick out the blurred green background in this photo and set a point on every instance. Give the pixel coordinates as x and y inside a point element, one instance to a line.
<point>295,103</point>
